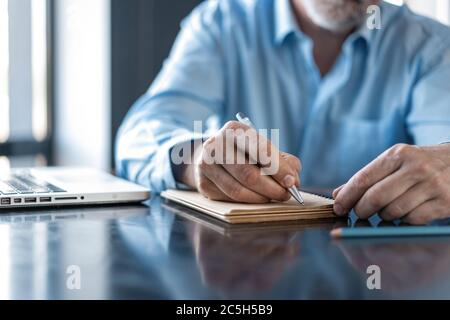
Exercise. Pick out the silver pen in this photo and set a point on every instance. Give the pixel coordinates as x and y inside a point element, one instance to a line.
<point>292,190</point>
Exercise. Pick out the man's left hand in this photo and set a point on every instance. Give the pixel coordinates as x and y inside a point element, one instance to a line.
<point>405,182</point>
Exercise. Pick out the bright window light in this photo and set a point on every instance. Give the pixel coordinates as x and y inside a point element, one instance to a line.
<point>5,165</point>
<point>396,2</point>
<point>443,11</point>
<point>39,68</point>
<point>4,71</point>
<point>435,9</point>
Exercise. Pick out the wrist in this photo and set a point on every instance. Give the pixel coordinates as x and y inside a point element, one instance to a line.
<point>185,172</point>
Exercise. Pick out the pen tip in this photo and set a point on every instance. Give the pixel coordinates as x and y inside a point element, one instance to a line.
<point>297,196</point>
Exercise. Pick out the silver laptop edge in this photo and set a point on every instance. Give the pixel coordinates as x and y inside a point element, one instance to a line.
<point>78,186</point>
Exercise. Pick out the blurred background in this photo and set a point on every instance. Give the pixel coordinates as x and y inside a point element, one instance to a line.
<point>71,69</point>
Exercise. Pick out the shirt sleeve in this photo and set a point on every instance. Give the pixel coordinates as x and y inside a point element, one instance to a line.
<point>429,119</point>
<point>189,88</point>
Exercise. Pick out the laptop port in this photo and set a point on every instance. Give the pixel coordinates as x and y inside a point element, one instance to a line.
<point>6,201</point>
<point>17,200</point>
<point>65,198</point>
<point>30,200</point>
<point>45,199</point>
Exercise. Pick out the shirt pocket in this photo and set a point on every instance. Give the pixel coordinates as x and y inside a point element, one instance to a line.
<point>361,141</point>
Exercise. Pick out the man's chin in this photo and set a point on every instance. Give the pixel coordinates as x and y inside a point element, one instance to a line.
<point>336,26</point>
<point>339,16</point>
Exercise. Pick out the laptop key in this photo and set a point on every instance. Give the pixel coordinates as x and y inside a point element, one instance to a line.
<point>30,181</point>
<point>35,187</point>
<point>6,189</point>
<point>38,185</point>
<point>19,186</point>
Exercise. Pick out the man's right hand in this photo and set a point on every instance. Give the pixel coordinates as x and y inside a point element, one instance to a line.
<point>218,174</point>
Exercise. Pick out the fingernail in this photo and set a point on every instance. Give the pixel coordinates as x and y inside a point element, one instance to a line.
<point>339,210</point>
<point>288,181</point>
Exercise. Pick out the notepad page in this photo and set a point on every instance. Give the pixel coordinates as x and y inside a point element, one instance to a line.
<point>314,204</point>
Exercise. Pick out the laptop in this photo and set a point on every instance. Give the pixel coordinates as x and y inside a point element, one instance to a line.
<point>38,187</point>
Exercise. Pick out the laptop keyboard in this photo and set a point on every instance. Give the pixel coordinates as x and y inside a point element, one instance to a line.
<point>25,183</point>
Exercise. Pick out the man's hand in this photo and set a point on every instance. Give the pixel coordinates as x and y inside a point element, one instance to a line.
<point>219,173</point>
<point>408,182</point>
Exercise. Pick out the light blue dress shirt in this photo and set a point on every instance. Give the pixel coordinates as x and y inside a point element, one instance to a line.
<point>388,86</point>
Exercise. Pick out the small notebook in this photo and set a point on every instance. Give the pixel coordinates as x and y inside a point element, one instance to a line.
<point>316,207</point>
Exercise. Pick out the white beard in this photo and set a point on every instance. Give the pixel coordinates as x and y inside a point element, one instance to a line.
<point>337,15</point>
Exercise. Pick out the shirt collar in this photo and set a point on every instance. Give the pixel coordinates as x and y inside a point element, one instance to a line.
<point>364,33</point>
<point>388,14</point>
<point>285,22</point>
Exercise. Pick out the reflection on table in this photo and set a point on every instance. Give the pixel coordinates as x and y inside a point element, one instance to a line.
<point>163,251</point>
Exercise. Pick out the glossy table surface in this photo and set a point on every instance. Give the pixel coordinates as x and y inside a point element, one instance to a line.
<point>162,251</point>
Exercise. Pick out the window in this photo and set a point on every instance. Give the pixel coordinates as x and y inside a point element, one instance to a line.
<point>24,95</point>
<point>436,9</point>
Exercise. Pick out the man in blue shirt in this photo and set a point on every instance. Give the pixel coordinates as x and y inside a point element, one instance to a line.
<point>365,105</point>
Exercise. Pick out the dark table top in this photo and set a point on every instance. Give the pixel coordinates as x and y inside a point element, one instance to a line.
<point>162,251</point>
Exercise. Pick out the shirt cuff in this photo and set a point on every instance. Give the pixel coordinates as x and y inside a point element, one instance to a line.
<point>163,177</point>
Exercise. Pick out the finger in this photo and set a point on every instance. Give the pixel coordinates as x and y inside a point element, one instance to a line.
<point>230,186</point>
<point>384,192</point>
<point>336,191</point>
<point>250,176</point>
<point>284,168</point>
<point>235,135</point>
<point>406,202</point>
<point>351,193</point>
<point>285,171</point>
<point>291,165</point>
<point>250,142</point>
<point>428,211</point>
<point>208,189</point>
